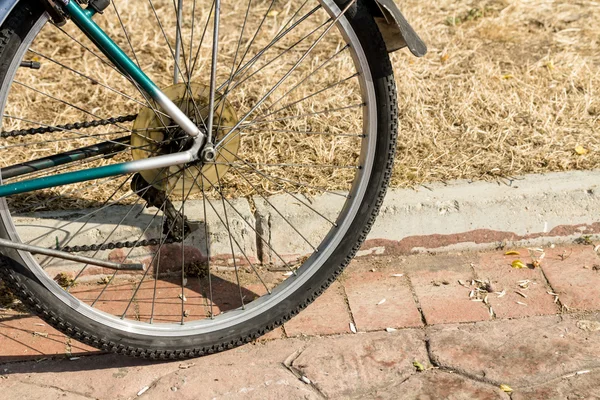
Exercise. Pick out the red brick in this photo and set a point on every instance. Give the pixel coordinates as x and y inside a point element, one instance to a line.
<point>447,303</point>
<point>326,316</point>
<point>442,299</point>
<point>435,384</point>
<point>166,304</point>
<point>366,289</point>
<point>570,271</point>
<point>524,352</point>
<point>18,341</point>
<point>496,267</point>
<point>114,299</point>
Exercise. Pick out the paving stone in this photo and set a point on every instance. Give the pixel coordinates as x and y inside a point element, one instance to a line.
<point>576,386</point>
<point>443,300</point>
<point>112,299</point>
<point>571,272</point>
<point>117,377</point>
<point>251,380</point>
<point>23,336</point>
<point>340,366</point>
<point>12,389</point>
<point>19,340</point>
<point>435,384</point>
<point>366,290</point>
<point>326,316</point>
<point>522,352</point>
<point>496,266</point>
<point>166,305</point>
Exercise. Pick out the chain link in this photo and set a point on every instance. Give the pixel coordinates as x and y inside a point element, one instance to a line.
<point>118,245</point>
<point>68,127</point>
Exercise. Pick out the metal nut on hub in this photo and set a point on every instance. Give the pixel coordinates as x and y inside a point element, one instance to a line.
<point>209,154</point>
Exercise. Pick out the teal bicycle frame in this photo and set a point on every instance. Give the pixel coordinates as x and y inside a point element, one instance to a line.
<point>83,19</point>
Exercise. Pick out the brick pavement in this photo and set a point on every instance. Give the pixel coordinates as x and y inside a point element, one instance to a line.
<point>536,330</point>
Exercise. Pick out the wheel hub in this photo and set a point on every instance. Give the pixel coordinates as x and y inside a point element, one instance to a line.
<point>150,138</point>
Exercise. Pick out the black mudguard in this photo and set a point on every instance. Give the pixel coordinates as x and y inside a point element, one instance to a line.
<point>395,29</point>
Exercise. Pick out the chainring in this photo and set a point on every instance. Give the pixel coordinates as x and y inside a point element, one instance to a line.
<point>150,138</point>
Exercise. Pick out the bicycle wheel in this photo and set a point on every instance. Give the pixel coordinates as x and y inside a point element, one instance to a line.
<point>231,248</point>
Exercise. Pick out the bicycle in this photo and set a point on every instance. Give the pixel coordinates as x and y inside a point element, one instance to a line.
<point>151,217</point>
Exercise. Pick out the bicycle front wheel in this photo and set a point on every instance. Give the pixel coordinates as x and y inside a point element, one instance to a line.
<point>305,126</point>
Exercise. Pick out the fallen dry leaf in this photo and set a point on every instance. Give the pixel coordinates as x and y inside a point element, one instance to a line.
<point>581,150</point>
<point>418,366</point>
<point>518,264</point>
<point>590,326</point>
<point>506,388</point>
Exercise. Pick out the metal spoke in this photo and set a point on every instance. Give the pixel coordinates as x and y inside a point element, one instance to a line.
<point>237,276</point>
<point>161,244</point>
<point>287,106</point>
<point>237,169</point>
<point>96,211</point>
<point>273,42</point>
<point>105,241</point>
<point>352,135</point>
<point>312,114</point>
<point>233,68</point>
<point>226,224</point>
<point>210,291</point>
<point>280,55</point>
<point>325,63</point>
<point>110,65</point>
<point>275,208</point>
<point>213,71</point>
<point>105,62</point>
<point>67,103</point>
<point>224,140</point>
<point>144,189</point>
<point>178,41</point>
<point>94,81</point>
<point>187,83</point>
<point>157,271</point>
<point>250,226</point>
<point>193,67</point>
<point>246,67</point>
<point>298,184</point>
<point>137,61</point>
<point>233,164</point>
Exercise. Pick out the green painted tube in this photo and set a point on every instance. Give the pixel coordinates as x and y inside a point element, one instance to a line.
<point>63,179</point>
<point>108,47</point>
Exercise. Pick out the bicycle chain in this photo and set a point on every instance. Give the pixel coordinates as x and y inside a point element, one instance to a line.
<point>68,127</point>
<point>119,245</point>
<point>86,125</point>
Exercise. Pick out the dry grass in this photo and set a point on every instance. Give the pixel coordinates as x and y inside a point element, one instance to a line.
<point>508,88</point>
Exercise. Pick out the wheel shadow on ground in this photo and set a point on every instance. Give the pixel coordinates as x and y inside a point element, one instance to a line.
<point>26,339</point>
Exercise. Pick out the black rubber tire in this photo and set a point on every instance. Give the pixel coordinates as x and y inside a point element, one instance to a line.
<point>64,318</point>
